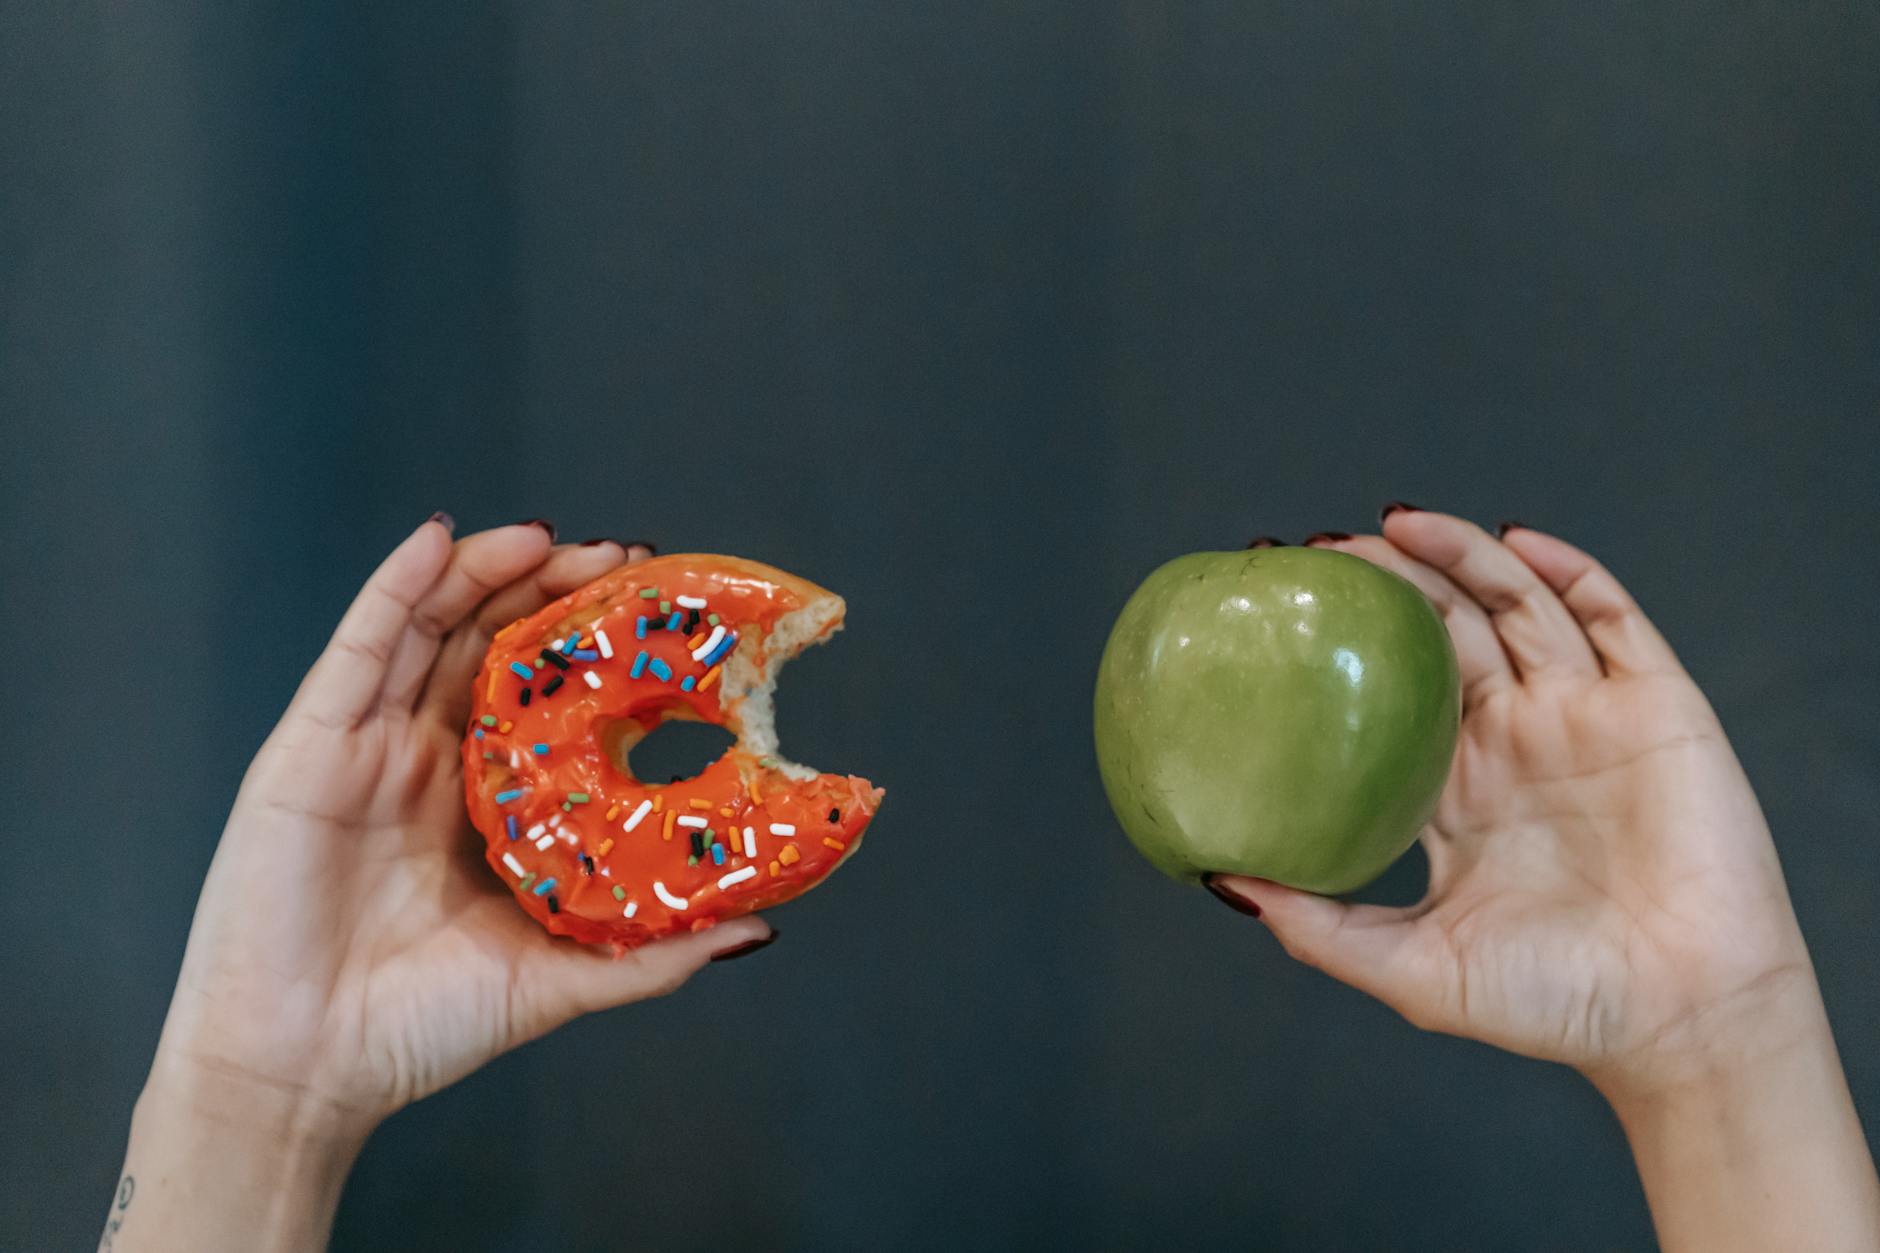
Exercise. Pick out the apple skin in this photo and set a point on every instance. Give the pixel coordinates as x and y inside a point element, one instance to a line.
<point>1287,713</point>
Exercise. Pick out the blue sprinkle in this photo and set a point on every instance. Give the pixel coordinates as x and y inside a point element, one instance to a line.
<point>545,887</point>
<point>639,665</point>
<point>718,854</point>
<point>639,628</point>
<point>724,646</point>
<point>541,750</point>
<point>685,684</point>
<point>567,646</point>
<point>513,794</point>
<point>510,822</point>
<point>587,654</point>
<point>479,733</point>
<point>523,671</point>
<point>672,623</point>
<point>661,670</point>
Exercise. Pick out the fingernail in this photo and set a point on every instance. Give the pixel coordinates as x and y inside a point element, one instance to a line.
<point>651,548</point>
<point>544,523</point>
<point>1267,541</point>
<point>444,520</point>
<point>1329,537</point>
<point>1233,900</point>
<point>1506,527</point>
<point>1395,506</point>
<point>749,946</point>
<point>595,543</point>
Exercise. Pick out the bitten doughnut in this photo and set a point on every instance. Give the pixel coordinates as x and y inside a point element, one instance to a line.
<point>601,856</point>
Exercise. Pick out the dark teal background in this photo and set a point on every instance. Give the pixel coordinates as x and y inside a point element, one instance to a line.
<point>975,312</point>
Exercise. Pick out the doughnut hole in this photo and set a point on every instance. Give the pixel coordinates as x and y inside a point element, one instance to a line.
<point>681,747</point>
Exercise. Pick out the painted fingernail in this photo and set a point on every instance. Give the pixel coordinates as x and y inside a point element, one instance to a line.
<point>544,523</point>
<point>596,543</point>
<point>1395,506</point>
<point>1233,900</point>
<point>1506,527</point>
<point>1267,541</point>
<point>749,946</point>
<point>1329,537</point>
<point>444,520</point>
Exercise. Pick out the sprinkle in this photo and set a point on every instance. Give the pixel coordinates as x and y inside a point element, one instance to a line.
<point>513,794</point>
<point>527,674</point>
<point>606,645</point>
<point>579,798</point>
<point>649,593</point>
<point>489,756</point>
<point>556,660</point>
<point>545,843</point>
<point>555,821</point>
<point>691,621</point>
<point>489,689</point>
<point>738,876</point>
<point>711,677</point>
<point>505,727</point>
<point>488,720</point>
<point>535,832</point>
<point>509,823</point>
<point>541,750</point>
<point>691,820</point>
<point>699,803</point>
<point>630,910</point>
<point>639,665</point>
<point>698,843</point>
<point>691,602</point>
<point>665,606</point>
<point>607,846</point>
<point>515,762</point>
<point>593,680</point>
<point>670,815</point>
<point>711,641</point>
<point>835,815</point>
<point>612,811</point>
<point>526,694</point>
<point>696,640</point>
<point>659,801</point>
<point>838,845</point>
<point>585,654</point>
<point>644,808</point>
<point>479,733</point>
<point>567,808</point>
<point>509,859</point>
<point>718,854</point>
<point>750,842</point>
<point>783,828</point>
<point>527,879</point>
<point>556,645</point>
<point>549,688</point>
<point>671,901</point>
<point>672,623</point>
<point>712,658</point>
<point>661,670</point>
<point>639,628</point>
<point>775,869</point>
<point>587,865</point>
<point>620,893</point>
<point>567,645</point>
<point>687,683</point>
<point>692,860</point>
<point>711,620</point>
<point>554,906</point>
<point>788,855</point>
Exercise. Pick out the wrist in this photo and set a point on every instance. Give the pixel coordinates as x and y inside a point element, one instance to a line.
<point>252,1108</point>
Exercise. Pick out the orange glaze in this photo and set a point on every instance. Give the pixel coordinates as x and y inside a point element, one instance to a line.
<point>829,812</point>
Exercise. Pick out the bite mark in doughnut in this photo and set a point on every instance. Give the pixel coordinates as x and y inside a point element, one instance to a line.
<point>563,695</point>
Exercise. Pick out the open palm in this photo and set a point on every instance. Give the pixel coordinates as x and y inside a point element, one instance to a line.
<point>350,946</point>
<point>1603,888</point>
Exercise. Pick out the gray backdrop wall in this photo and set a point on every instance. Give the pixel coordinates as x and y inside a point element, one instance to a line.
<point>987,305</point>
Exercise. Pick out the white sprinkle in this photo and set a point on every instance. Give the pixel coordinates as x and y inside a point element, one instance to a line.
<point>691,820</point>
<point>633,907</point>
<point>555,821</point>
<point>593,680</point>
<point>750,842</point>
<point>556,645</point>
<point>672,902</point>
<point>535,831</point>
<point>704,650</point>
<point>513,763</point>
<point>646,807</point>
<point>738,876</point>
<point>568,836</point>
<point>607,651</point>
<point>509,859</point>
<point>689,602</point>
<point>782,828</point>
<point>544,844</point>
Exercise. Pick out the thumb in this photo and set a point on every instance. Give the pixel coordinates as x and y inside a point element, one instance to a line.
<point>1366,946</point>
<point>576,979</point>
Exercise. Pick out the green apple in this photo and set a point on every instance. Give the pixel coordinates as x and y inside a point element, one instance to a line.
<point>1288,713</point>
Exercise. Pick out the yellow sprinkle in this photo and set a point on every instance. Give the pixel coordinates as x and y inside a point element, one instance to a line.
<point>726,811</point>
<point>489,693</point>
<point>505,727</point>
<point>607,846</point>
<point>613,811</point>
<point>659,801</point>
<point>696,803</point>
<point>670,815</point>
<point>838,845</point>
<point>775,870</point>
<point>696,640</point>
<point>788,855</point>
<point>711,677</point>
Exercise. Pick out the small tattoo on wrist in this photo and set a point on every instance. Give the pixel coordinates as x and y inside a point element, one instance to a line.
<point>126,1190</point>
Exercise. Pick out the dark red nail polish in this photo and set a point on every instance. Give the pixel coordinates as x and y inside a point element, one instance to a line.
<point>1506,527</point>
<point>640,543</point>
<point>1330,537</point>
<point>544,523</point>
<point>1396,506</point>
<point>1267,541</point>
<point>749,946</point>
<point>443,519</point>
<point>1233,901</point>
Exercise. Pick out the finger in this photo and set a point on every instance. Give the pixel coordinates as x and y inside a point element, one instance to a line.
<point>1483,662</point>
<point>447,689</point>
<point>479,565</point>
<point>1369,947</point>
<point>1622,635</point>
<point>346,679</point>
<point>574,979</point>
<point>1536,629</point>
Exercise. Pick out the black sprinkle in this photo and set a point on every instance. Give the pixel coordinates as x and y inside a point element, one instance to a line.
<point>835,815</point>
<point>587,865</point>
<point>528,693</point>
<point>548,688</point>
<point>554,906</point>
<point>556,660</point>
<point>678,778</point>
<point>691,622</point>
<point>698,844</point>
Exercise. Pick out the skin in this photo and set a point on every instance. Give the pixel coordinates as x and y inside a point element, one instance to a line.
<point>351,953</point>
<point>1604,892</point>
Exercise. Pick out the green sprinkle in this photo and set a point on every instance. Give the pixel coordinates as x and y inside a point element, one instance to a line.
<point>649,593</point>
<point>710,835</point>
<point>528,880</point>
<point>620,893</point>
<point>566,808</point>
<point>691,861</point>
<point>489,757</point>
<point>665,606</point>
<point>579,798</point>
<point>488,720</point>
<point>711,619</point>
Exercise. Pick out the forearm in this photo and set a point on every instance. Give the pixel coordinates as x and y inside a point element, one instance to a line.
<point>224,1166</point>
<point>1756,1155</point>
